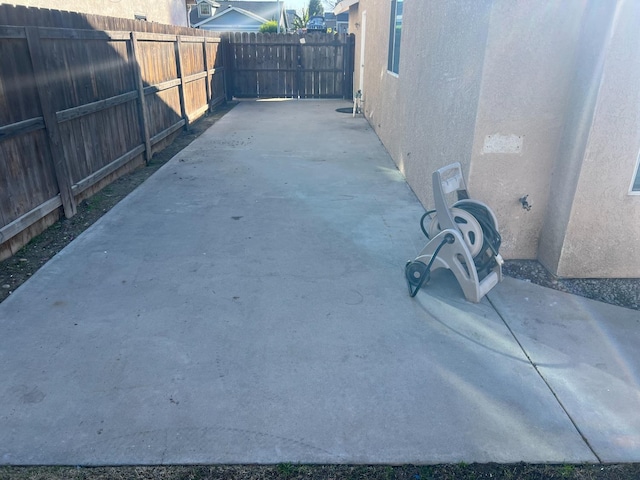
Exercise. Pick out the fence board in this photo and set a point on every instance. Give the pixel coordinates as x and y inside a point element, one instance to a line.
<point>27,177</point>
<point>20,128</point>
<point>84,96</point>
<point>143,121</point>
<point>285,65</point>
<point>46,95</point>
<point>81,102</point>
<point>25,221</point>
<point>180,67</point>
<point>94,107</point>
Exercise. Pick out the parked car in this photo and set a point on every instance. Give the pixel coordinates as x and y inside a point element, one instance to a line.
<point>316,24</point>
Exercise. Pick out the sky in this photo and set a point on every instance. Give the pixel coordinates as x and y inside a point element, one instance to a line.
<point>298,5</point>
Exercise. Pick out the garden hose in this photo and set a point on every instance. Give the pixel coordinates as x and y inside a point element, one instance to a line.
<point>491,238</point>
<point>412,267</point>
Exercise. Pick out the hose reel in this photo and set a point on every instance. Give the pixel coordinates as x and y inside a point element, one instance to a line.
<point>462,237</point>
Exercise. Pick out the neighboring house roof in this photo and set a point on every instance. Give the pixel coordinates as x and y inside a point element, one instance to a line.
<point>239,15</point>
<point>344,5</point>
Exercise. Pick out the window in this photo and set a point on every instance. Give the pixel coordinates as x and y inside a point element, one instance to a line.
<point>204,10</point>
<point>635,185</point>
<point>395,32</point>
<point>139,16</point>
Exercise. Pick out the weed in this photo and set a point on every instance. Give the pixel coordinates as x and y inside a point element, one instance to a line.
<point>358,472</point>
<point>567,471</point>
<point>425,473</point>
<point>286,470</point>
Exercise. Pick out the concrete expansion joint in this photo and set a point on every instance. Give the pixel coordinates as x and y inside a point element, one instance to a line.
<point>535,367</point>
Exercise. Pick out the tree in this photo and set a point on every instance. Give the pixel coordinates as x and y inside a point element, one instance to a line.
<point>300,21</point>
<point>315,8</point>
<point>269,27</point>
<point>331,4</point>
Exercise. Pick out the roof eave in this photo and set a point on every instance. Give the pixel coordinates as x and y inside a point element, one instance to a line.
<point>344,6</point>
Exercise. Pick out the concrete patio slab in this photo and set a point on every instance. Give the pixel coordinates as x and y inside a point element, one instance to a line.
<point>587,352</point>
<point>247,304</point>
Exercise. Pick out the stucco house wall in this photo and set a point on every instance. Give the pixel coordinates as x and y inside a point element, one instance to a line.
<point>380,90</point>
<point>440,74</point>
<point>603,230</point>
<point>170,12</point>
<point>425,115</point>
<point>536,99</point>
<point>587,77</point>
<point>526,83</point>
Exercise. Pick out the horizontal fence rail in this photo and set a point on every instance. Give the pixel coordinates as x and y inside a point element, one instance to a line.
<point>81,105</point>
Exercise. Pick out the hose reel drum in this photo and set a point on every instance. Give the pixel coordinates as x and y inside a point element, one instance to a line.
<point>462,237</point>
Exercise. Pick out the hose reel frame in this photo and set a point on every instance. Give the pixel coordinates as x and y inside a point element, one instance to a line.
<point>462,237</point>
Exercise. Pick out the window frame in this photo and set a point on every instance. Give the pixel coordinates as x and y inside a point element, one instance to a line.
<point>395,37</point>
<point>635,179</point>
<point>201,10</point>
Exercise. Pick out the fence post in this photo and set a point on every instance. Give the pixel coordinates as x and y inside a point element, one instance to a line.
<point>206,69</point>
<point>299,73</point>
<point>142,102</point>
<point>183,109</point>
<point>45,95</point>
<point>349,59</point>
<point>228,65</point>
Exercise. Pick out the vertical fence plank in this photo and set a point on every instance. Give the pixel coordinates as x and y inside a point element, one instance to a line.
<point>179,64</point>
<point>299,85</point>
<point>253,85</point>
<point>229,63</point>
<point>228,60</point>
<point>142,108</point>
<point>207,69</point>
<point>349,66</point>
<point>260,64</point>
<point>45,92</point>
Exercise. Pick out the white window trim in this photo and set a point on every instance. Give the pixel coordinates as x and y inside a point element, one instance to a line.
<point>394,19</point>
<point>636,174</point>
<point>202,6</point>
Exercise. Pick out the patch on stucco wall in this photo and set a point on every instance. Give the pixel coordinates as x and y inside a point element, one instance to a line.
<point>498,143</point>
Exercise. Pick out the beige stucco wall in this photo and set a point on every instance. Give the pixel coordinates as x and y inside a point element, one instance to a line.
<point>425,115</point>
<point>528,68</point>
<point>171,12</point>
<point>603,232</point>
<point>513,90</point>
<point>594,38</point>
<point>380,89</point>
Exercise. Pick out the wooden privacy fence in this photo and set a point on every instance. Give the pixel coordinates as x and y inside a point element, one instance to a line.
<point>316,65</point>
<point>77,106</point>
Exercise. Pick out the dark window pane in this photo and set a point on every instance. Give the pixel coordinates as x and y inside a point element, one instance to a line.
<point>395,34</point>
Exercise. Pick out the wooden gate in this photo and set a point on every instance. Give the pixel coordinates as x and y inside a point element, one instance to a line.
<point>317,65</point>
